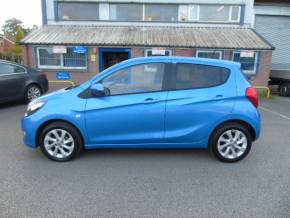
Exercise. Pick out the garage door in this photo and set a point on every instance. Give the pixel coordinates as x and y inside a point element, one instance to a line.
<point>276,29</point>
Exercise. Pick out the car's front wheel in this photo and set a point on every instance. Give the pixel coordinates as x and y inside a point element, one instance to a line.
<point>60,141</point>
<point>231,142</point>
<point>32,92</point>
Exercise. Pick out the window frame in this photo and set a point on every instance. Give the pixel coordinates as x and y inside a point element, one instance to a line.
<point>16,65</point>
<point>160,21</point>
<point>229,20</point>
<point>248,72</point>
<point>126,3</point>
<point>174,75</point>
<point>164,87</point>
<point>210,51</point>
<point>57,14</point>
<point>61,66</point>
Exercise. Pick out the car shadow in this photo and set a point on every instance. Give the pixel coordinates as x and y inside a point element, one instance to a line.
<point>197,154</point>
<point>7,105</point>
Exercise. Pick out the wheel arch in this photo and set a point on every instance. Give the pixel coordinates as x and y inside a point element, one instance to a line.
<point>48,122</point>
<point>242,122</point>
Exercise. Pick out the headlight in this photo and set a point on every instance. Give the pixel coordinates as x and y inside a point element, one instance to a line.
<point>33,107</point>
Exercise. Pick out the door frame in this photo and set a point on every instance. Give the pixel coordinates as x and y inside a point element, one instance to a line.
<point>102,50</point>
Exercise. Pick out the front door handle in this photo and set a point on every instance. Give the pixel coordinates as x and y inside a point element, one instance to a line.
<point>219,96</point>
<point>150,100</point>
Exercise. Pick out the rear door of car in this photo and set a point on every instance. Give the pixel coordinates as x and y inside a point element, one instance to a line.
<point>200,95</point>
<point>12,80</point>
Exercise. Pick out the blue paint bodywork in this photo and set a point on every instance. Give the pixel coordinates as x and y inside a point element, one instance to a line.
<point>178,119</point>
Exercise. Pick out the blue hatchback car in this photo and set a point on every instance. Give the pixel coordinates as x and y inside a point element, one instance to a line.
<point>156,102</point>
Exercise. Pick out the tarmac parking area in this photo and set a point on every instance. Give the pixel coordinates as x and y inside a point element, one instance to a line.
<point>147,183</point>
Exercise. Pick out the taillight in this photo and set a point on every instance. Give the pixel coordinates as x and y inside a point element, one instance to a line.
<point>252,95</point>
<point>44,75</point>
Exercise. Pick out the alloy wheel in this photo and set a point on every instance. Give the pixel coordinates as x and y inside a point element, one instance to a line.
<point>59,143</point>
<point>232,144</point>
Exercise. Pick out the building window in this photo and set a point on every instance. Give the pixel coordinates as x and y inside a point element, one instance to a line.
<point>77,11</point>
<point>214,13</point>
<point>248,60</point>
<point>161,12</point>
<point>209,54</point>
<point>47,58</point>
<point>126,12</point>
<point>158,52</point>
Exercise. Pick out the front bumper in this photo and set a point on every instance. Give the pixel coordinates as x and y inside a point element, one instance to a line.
<point>29,130</point>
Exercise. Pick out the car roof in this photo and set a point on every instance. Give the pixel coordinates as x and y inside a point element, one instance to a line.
<point>184,59</point>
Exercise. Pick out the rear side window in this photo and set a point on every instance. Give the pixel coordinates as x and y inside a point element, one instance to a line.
<point>10,69</point>
<point>193,76</point>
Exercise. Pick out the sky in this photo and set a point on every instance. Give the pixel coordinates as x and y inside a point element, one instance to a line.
<point>28,11</point>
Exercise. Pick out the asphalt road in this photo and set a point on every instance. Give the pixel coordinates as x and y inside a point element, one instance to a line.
<point>147,183</point>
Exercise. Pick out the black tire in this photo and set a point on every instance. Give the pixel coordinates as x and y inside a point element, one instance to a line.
<point>220,131</point>
<point>284,90</point>
<point>78,143</point>
<point>27,97</point>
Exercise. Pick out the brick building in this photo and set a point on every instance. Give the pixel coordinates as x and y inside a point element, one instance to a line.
<point>5,44</point>
<point>84,37</point>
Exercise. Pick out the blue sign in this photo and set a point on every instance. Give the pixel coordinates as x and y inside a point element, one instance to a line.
<point>80,49</point>
<point>62,76</point>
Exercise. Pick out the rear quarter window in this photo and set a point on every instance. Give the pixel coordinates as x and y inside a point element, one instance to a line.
<point>193,76</point>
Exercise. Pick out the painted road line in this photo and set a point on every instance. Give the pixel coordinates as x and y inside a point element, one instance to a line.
<point>274,112</point>
<point>285,99</point>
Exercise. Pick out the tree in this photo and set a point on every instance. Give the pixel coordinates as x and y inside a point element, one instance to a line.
<point>11,27</point>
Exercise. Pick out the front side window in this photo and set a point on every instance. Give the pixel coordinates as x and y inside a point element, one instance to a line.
<point>159,12</point>
<point>248,60</point>
<point>136,79</point>
<point>10,69</point>
<point>192,76</point>
<point>126,12</point>
<point>209,54</point>
<point>77,11</point>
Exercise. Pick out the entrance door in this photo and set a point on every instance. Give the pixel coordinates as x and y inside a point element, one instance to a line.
<point>112,56</point>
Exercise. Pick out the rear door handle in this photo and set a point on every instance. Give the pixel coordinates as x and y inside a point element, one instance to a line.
<point>219,96</point>
<point>150,100</point>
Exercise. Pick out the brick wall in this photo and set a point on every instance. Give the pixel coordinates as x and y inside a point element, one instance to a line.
<point>186,52</point>
<point>93,63</point>
<point>264,68</point>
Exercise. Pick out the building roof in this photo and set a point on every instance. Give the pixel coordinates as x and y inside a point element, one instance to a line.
<point>153,36</point>
<point>8,40</point>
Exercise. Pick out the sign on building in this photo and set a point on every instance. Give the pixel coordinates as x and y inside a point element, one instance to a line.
<point>63,76</point>
<point>80,49</point>
<point>59,49</point>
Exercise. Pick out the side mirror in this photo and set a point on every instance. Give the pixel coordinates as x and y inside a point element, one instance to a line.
<point>98,89</point>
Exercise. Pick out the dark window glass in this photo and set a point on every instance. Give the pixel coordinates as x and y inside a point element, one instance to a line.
<point>10,69</point>
<point>72,59</point>
<point>126,12</point>
<point>48,58</point>
<point>78,11</point>
<point>160,12</point>
<point>191,76</point>
<point>212,55</point>
<point>248,63</point>
<point>136,79</point>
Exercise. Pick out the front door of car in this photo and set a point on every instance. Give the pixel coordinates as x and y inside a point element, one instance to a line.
<point>134,110</point>
<point>201,95</point>
<point>11,80</point>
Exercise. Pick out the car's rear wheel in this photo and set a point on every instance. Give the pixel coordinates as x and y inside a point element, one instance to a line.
<point>231,142</point>
<point>32,92</point>
<point>60,141</point>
